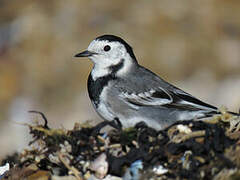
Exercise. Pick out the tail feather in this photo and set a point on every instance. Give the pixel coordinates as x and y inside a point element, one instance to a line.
<point>233,113</point>
<point>212,113</point>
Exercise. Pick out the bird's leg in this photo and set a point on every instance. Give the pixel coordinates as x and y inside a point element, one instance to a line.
<point>141,125</point>
<point>114,123</point>
<point>98,127</point>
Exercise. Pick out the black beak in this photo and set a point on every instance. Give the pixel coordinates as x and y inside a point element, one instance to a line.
<point>85,54</point>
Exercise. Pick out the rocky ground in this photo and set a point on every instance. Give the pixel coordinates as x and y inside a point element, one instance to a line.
<point>185,150</point>
<point>190,43</point>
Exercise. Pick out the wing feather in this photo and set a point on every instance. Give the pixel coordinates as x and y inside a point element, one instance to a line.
<point>161,97</point>
<point>152,97</point>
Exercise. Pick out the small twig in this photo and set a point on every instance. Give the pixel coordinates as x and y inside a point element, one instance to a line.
<point>73,169</point>
<point>183,137</point>
<point>100,138</point>
<point>114,146</point>
<point>43,116</point>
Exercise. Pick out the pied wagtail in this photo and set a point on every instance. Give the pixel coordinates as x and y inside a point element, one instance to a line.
<point>120,88</point>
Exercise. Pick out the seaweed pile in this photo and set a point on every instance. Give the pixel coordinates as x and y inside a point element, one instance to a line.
<point>185,150</point>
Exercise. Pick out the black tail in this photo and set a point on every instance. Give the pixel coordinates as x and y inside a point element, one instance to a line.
<point>212,113</point>
<point>233,113</point>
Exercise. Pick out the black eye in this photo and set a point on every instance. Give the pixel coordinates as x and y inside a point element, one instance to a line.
<point>107,48</point>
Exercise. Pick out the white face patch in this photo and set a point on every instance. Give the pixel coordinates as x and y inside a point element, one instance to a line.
<point>128,62</point>
<point>103,60</point>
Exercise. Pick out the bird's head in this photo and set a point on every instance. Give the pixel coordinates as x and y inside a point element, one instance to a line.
<point>108,52</point>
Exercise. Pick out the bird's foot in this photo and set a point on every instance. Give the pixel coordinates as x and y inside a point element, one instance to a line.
<point>141,125</point>
<point>114,123</point>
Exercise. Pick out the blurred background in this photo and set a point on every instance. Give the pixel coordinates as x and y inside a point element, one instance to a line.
<point>193,44</point>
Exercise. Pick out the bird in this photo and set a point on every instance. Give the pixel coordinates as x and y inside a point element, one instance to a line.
<point>122,90</point>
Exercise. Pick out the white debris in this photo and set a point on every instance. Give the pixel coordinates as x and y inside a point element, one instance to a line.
<point>100,166</point>
<point>185,159</point>
<point>183,129</point>
<point>160,170</point>
<point>108,177</point>
<point>4,169</point>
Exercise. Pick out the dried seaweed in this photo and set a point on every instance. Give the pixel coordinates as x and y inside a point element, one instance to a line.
<point>186,150</point>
